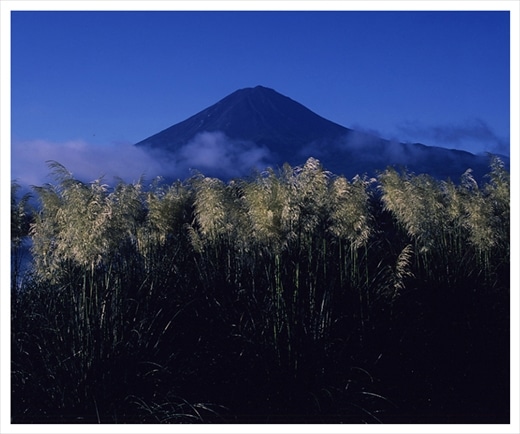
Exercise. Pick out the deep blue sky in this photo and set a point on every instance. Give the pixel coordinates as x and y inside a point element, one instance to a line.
<point>105,80</point>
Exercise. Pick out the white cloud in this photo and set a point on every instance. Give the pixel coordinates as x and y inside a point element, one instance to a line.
<point>215,154</point>
<point>471,134</point>
<point>86,162</point>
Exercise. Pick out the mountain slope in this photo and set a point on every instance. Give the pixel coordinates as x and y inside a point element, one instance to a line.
<point>256,127</point>
<point>259,115</point>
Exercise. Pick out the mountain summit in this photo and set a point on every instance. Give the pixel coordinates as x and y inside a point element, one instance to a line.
<point>256,127</point>
<point>259,115</point>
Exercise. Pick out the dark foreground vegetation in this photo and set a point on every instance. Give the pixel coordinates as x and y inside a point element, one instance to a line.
<point>293,296</point>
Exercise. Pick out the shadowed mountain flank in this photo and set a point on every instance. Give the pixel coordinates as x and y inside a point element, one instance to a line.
<point>257,127</point>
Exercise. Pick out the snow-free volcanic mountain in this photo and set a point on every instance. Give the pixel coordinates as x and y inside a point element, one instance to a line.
<point>257,127</point>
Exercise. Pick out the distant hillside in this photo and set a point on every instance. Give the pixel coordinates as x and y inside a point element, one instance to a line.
<point>259,127</point>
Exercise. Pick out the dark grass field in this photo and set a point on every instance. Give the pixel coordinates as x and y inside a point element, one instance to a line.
<point>289,297</point>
